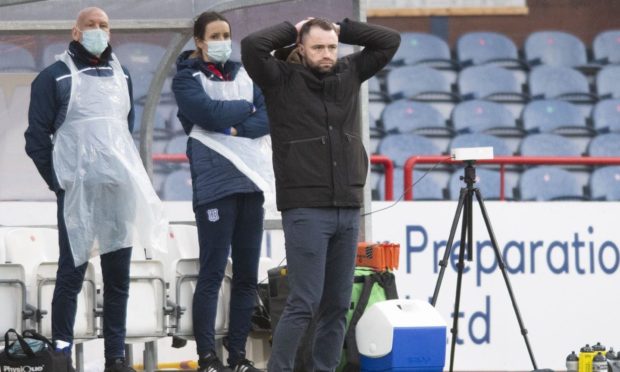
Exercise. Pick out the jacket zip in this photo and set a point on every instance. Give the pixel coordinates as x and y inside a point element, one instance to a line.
<point>322,138</point>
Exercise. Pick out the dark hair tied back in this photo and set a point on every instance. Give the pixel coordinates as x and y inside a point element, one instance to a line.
<point>200,24</point>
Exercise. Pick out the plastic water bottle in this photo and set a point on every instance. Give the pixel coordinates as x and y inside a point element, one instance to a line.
<point>599,348</point>
<point>611,356</point>
<point>615,364</point>
<point>572,362</point>
<point>599,363</point>
<point>586,354</point>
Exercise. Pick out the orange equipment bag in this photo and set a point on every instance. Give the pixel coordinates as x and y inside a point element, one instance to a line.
<point>379,256</point>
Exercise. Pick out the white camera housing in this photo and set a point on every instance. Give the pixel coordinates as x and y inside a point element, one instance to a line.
<point>472,153</point>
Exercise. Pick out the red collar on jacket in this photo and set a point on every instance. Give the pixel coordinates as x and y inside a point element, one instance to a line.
<point>217,72</point>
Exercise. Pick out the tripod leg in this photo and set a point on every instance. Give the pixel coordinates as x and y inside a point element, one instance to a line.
<point>502,266</point>
<point>446,255</point>
<point>459,278</point>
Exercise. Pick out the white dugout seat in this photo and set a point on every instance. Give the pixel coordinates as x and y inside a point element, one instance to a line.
<point>35,251</point>
<point>182,274</point>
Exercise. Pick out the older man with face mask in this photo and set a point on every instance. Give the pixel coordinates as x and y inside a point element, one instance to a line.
<point>79,137</point>
<point>320,167</point>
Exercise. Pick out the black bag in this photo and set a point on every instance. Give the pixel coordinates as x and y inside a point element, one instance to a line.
<point>19,356</point>
<point>278,293</point>
<point>369,287</point>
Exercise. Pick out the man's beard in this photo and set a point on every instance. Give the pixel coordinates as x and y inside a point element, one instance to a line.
<point>320,70</point>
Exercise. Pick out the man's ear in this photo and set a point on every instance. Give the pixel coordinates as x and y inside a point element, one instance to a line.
<point>75,33</point>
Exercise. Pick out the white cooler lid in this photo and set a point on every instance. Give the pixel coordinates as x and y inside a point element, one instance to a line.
<point>375,329</point>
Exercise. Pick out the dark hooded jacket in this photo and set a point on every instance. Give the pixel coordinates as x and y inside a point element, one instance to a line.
<point>318,156</point>
<point>214,176</point>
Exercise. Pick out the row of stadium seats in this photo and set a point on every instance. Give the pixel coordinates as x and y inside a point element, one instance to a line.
<point>542,183</point>
<point>160,294</point>
<point>423,118</point>
<point>542,116</point>
<point>496,83</point>
<point>556,48</point>
<point>400,147</point>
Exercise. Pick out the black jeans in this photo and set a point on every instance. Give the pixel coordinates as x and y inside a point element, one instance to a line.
<point>69,279</point>
<point>236,222</point>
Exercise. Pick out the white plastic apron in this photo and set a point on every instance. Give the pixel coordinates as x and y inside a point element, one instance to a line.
<point>251,156</point>
<point>109,201</point>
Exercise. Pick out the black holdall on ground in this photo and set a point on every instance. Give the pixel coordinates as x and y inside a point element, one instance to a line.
<point>31,352</point>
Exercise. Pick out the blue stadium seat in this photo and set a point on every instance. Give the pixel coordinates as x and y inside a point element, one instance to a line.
<point>178,186</point>
<point>605,145</point>
<point>16,58</point>
<point>605,183</point>
<point>489,82</point>
<point>426,189</point>
<point>374,90</point>
<point>608,82</point>
<point>404,116</point>
<point>484,116</point>
<point>420,48</point>
<point>477,48</point>
<point>142,60</point>
<point>554,116</point>
<point>559,83</point>
<point>500,147</point>
<point>419,82</point>
<point>555,48</point>
<point>606,116</point>
<point>487,180</point>
<point>606,47</point>
<point>400,147</point>
<point>546,183</point>
<point>547,144</point>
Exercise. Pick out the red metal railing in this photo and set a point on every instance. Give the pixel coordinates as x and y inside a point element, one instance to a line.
<point>388,165</point>
<point>170,158</point>
<point>386,162</point>
<point>502,161</point>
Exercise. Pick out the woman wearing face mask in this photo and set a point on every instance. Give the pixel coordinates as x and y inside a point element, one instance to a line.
<point>220,108</point>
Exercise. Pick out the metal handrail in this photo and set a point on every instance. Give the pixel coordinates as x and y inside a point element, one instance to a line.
<point>383,160</point>
<point>502,161</point>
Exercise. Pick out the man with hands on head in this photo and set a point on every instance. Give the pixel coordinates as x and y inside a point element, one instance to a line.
<point>320,167</point>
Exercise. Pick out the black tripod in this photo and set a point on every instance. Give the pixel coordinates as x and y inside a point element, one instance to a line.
<point>465,202</point>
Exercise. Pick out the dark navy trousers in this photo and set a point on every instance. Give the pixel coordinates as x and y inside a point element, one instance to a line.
<point>233,223</point>
<point>321,244</point>
<point>115,271</point>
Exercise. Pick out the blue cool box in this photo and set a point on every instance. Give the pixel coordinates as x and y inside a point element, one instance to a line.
<point>417,341</point>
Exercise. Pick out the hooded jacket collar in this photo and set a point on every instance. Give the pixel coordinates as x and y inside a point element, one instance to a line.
<point>85,58</point>
<point>187,61</point>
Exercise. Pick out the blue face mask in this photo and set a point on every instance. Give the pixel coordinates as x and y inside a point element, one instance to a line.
<point>95,40</point>
<point>219,51</point>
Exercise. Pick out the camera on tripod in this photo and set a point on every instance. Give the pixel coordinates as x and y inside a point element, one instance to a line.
<point>469,155</point>
<point>472,153</point>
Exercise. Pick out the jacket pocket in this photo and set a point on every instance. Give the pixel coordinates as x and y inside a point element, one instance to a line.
<point>357,160</point>
<point>306,163</point>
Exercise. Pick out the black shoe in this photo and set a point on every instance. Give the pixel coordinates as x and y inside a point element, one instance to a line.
<point>119,365</point>
<point>245,365</point>
<point>211,363</point>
